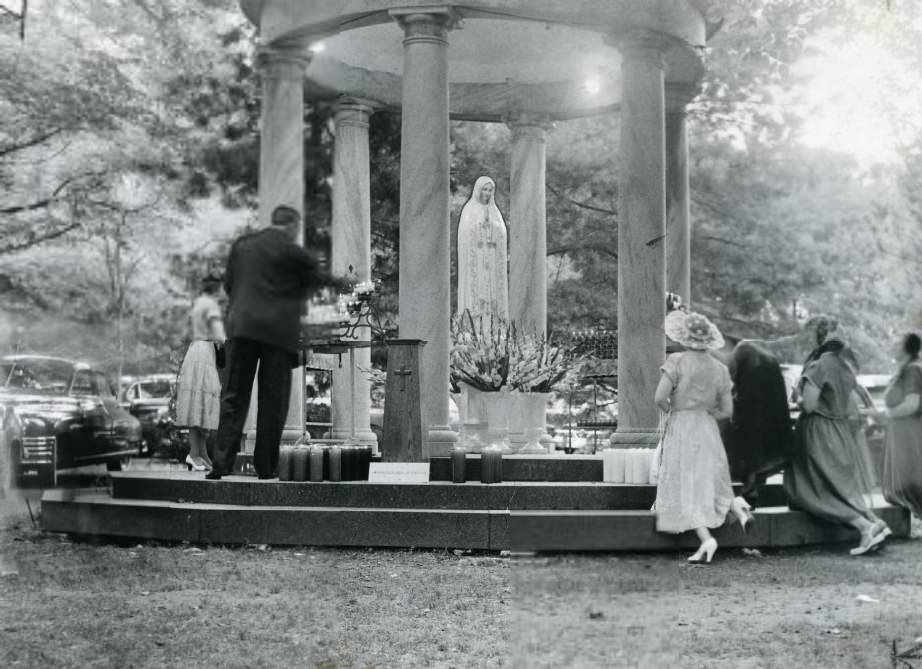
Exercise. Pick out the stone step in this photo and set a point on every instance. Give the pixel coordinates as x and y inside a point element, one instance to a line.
<point>773,527</point>
<point>247,491</point>
<point>536,468</point>
<point>95,513</point>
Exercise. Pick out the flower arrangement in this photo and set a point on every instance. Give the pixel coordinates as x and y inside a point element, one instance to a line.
<point>538,365</point>
<point>490,355</point>
<point>480,352</point>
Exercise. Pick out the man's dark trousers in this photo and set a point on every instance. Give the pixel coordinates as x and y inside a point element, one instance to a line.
<point>275,365</point>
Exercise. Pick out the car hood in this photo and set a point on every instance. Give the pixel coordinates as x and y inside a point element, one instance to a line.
<point>37,403</point>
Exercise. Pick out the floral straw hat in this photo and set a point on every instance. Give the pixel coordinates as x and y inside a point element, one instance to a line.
<point>693,331</point>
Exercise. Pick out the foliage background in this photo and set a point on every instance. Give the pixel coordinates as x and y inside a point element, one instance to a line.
<point>129,155</point>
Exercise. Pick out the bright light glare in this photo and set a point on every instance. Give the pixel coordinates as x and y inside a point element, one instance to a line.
<point>317,47</point>
<point>852,96</point>
<point>593,86</point>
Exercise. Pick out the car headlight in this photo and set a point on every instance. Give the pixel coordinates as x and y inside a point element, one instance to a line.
<point>125,427</point>
<point>88,405</point>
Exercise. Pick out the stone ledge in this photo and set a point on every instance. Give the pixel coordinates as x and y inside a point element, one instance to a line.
<point>240,490</point>
<point>94,513</point>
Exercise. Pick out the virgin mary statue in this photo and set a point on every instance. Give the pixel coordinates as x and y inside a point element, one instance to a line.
<point>482,284</point>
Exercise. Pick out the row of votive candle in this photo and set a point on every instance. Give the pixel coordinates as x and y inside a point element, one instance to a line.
<point>318,462</point>
<point>491,465</point>
<point>627,465</point>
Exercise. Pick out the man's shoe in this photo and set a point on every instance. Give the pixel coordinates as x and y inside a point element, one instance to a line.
<point>214,475</point>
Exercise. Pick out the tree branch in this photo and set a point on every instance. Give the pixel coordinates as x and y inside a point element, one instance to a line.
<point>32,141</point>
<point>45,202</point>
<point>581,205</point>
<point>34,241</point>
<point>729,242</point>
<point>565,250</point>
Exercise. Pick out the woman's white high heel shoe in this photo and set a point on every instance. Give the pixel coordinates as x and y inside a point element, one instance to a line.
<point>743,513</point>
<point>194,465</point>
<point>705,553</point>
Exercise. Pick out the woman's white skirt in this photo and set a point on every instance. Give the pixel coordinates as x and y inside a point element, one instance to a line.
<point>694,488</point>
<point>198,395</point>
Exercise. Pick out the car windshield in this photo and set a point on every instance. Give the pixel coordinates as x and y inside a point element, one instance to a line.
<point>36,374</point>
<point>148,390</point>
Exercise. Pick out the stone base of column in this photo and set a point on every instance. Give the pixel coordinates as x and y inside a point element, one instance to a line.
<point>635,438</point>
<point>364,436</point>
<point>440,440</point>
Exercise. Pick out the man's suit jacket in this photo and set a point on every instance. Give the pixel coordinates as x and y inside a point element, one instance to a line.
<point>268,278</point>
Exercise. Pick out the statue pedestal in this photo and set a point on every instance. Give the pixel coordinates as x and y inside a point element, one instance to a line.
<point>403,423</point>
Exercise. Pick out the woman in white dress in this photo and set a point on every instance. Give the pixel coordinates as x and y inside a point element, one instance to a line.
<point>198,396</point>
<point>694,491</point>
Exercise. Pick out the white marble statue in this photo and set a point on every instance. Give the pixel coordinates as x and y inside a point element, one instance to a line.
<point>482,284</point>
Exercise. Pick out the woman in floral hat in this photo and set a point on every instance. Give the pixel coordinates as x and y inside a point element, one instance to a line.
<point>694,491</point>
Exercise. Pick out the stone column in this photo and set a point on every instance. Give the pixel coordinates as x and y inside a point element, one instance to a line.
<point>641,233</point>
<point>678,224</point>
<point>352,257</point>
<point>424,302</point>
<point>281,177</point>
<point>528,224</point>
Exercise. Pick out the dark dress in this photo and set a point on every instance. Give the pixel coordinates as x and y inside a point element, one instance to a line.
<point>828,475</point>
<point>902,482</point>
<point>759,437</point>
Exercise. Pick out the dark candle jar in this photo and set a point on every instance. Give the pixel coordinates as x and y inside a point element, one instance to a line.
<point>348,455</point>
<point>286,454</point>
<point>316,460</point>
<point>491,465</point>
<point>336,463</point>
<point>459,464</point>
<point>366,462</point>
<point>299,463</point>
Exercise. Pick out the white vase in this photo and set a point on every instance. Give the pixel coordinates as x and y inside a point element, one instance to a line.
<point>497,411</point>
<point>460,400</point>
<point>532,419</point>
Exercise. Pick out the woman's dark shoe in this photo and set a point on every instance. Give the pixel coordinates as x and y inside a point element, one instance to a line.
<point>266,477</point>
<point>214,475</point>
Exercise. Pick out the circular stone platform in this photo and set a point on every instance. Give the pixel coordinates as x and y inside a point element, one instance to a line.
<point>506,58</point>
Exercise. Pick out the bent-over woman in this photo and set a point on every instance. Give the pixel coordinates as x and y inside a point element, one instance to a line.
<point>829,475</point>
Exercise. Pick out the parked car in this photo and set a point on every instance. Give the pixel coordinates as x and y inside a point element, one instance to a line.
<point>876,385</point>
<point>151,399</point>
<point>58,414</point>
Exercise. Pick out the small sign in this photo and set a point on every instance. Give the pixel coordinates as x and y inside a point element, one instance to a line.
<point>399,472</point>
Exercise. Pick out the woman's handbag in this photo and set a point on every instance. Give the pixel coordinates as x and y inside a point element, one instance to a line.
<point>220,358</point>
<point>656,462</point>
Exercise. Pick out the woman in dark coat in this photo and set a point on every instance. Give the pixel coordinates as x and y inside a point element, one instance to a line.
<point>758,438</point>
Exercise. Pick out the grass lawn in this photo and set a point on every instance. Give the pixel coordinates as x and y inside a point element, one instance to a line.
<point>66,604</point>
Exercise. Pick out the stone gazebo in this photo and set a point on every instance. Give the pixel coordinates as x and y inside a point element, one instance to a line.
<point>523,63</point>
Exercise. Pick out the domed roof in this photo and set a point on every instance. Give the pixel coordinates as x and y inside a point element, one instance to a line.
<point>506,57</point>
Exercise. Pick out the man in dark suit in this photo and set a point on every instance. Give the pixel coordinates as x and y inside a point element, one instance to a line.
<point>268,279</point>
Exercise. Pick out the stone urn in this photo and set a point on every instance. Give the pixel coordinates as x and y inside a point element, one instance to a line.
<point>529,420</point>
<point>495,410</point>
